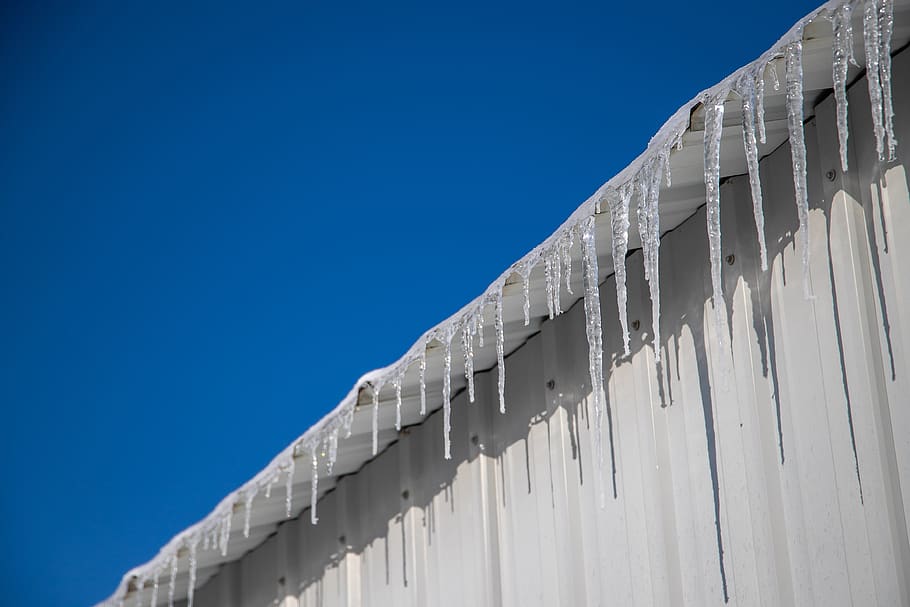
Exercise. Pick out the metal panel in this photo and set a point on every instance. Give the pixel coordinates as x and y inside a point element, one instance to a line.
<point>775,473</point>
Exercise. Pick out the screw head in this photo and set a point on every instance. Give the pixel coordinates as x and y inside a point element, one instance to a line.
<point>636,325</point>
<point>830,174</point>
<point>730,259</point>
<point>551,384</point>
<point>405,494</point>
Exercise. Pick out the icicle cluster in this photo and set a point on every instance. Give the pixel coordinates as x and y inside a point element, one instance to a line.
<point>640,182</point>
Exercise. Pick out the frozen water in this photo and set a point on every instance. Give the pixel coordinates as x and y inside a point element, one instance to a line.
<point>714,128</point>
<point>397,384</point>
<point>423,379</point>
<point>748,94</point>
<point>798,151</point>
<point>886,28</point>
<point>593,329</point>
<point>467,346</point>
<point>872,45</point>
<point>843,54</point>
<point>500,354</point>
<point>618,202</point>
<point>314,486</point>
<point>289,488</point>
<point>447,393</point>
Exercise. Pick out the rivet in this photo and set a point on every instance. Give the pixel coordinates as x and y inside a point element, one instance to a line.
<point>636,325</point>
<point>342,540</point>
<point>475,440</point>
<point>551,383</point>
<point>405,494</point>
<point>730,259</point>
<point>830,174</point>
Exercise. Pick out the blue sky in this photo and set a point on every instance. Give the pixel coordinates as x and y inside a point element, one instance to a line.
<point>215,217</point>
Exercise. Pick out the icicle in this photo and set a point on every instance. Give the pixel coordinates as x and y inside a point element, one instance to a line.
<point>548,277</point>
<point>500,353</point>
<point>349,420</point>
<point>172,585</point>
<point>872,45</point>
<point>843,53</point>
<point>191,589</point>
<point>567,242</point>
<point>593,329</point>
<point>377,388</point>
<point>798,150</point>
<point>140,589</point>
<point>649,230</point>
<point>333,450</point>
<point>619,223</point>
<point>557,280</point>
<point>268,488</point>
<point>526,276</point>
<point>467,346</point>
<point>714,129</point>
<point>226,531</point>
<point>772,71</point>
<point>760,104</point>
<point>666,169</point>
<point>289,488</point>
<point>155,577</point>
<point>248,509</point>
<point>478,325</point>
<point>423,380</point>
<point>314,487</point>
<point>446,394</point>
<point>207,540</point>
<point>886,27</point>
<point>751,147</point>
<point>397,384</point>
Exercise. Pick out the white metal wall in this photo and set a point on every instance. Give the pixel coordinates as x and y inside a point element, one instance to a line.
<point>783,479</point>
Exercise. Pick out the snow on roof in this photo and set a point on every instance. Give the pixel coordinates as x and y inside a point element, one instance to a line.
<point>721,131</point>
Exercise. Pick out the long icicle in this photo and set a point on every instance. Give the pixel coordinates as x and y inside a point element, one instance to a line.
<point>155,581</point>
<point>422,369</point>
<point>376,389</point>
<point>248,509</point>
<point>872,46</point>
<point>649,230</point>
<point>843,55</point>
<point>333,451</point>
<point>760,104</point>
<point>798,151</point>
<point>172,585</point>
<point>447,394</point>
<point>500,353</point>
<point>397,384</point>
<point>618,202</point>
<point>191,588</point>
<point>714,128</point>
<point>593,329</point>
<point>314,486</point>
<point>526,287</point>
<point>289,488</point>
<point>467,347</point>
<point>751,148</point>
<point>886,27</point>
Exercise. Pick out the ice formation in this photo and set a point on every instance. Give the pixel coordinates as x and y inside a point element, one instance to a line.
<point>593,329</point>
<point>747,91</point>
<point>641,181</point>
<point>191,588</point>
<point>397,384</point>
<point>618,202</point>
<point>798,151</point>
<point>314,486</point>
<point>289,488</point>
<point>467,346</point>
<point>648,186</point>
<point>714,128</point>
<point>447,395</point>
<point>843,55</point>
<point>500,353</point>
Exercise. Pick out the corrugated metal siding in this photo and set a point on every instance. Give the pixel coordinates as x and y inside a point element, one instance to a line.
<point>781,479</point>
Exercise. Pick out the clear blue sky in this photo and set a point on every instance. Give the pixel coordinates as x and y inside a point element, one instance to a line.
<point>214,218</point>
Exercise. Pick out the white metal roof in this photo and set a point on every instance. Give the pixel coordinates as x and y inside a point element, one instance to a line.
<point>676,204</point>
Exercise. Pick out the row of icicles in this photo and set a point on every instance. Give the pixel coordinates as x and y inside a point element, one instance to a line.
<point>556,256</point>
